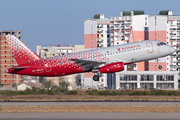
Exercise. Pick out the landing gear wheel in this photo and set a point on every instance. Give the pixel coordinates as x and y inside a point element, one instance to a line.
<point>96,77</point>
<point>160,67</point>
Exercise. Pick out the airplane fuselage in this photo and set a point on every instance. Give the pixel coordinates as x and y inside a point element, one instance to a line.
<point>126,53</point>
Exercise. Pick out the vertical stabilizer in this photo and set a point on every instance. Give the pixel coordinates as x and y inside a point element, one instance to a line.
<point>21,52</point>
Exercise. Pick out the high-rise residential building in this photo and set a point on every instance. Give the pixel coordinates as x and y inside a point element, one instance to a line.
<point>7,60</point>
<point>132,26</point>
<point>166,28</point>
<point>96,35</point>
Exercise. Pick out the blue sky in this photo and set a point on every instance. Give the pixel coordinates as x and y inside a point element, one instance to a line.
<point>52,22</point>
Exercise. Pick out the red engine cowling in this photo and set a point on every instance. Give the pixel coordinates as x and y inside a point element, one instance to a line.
<point>113,67</point>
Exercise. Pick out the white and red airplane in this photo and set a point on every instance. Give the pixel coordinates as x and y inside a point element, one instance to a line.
<point>104,60</point>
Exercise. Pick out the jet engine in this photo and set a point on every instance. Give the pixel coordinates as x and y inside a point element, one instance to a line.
<point>113,67</point>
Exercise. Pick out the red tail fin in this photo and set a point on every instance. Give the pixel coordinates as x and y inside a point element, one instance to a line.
<point>20,51</point>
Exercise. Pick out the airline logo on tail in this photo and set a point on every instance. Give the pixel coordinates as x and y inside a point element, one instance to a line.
<point>20,51</point>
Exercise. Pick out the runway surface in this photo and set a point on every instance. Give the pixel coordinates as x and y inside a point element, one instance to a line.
<point>89,116</point>
<point>90,103</point>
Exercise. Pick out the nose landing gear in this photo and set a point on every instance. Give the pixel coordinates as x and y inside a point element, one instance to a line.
<point>159,66</point>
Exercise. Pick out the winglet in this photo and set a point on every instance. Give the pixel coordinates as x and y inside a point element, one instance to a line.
<point>20,51</point>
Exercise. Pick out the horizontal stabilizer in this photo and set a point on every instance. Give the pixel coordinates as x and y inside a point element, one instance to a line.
<point>18,68</point>
<point>15,68</point>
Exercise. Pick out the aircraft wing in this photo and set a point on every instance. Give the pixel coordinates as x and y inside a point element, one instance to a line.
<point>88,64</point>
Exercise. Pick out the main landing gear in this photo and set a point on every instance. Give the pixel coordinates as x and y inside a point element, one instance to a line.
<point>96,77</point>
<point>160,67</point>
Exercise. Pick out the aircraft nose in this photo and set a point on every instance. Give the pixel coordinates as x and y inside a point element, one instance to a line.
<point>172,50</point>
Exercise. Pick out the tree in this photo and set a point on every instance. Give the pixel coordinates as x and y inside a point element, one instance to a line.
<point>48,83</point>
<point>64,84</point>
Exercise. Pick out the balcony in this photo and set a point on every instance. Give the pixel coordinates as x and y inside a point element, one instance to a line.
<point>115,35</point>
<point>99,31</point>
<point>115,30</point>
<point>172,39</point>
<point>127,24</point>
<point>172,28</point>
<point>172,34</point>
<point>99,45</point>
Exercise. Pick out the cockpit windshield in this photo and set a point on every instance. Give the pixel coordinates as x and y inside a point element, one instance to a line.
<point>161,43</point>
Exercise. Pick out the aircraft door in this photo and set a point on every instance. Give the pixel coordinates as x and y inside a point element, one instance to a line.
<point>47,67</point>
<point>149,47</point>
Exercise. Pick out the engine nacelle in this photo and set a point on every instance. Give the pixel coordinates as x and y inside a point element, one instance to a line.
<point>113,67</point>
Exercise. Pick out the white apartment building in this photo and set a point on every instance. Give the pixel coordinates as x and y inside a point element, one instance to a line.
<point>96,35</point>
<point>132,26</point>
<point>135,25</point>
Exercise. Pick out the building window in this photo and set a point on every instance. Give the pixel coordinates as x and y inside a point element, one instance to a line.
<point>5,56</point>
<point>4,46</point>
<point>165,78</point>
<point>5,61</point>
<point>5,42</point>
<point>147,78</point>
<point>5,66</point>
<point>4,51</point>
<point>145,23</point>
<point>128,77</point>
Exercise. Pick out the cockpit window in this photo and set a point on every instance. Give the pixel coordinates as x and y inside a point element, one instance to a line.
<point>161,43</point>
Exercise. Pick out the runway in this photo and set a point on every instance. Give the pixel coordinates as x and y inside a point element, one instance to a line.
<point>160,103</point>
<point>89,116</point>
